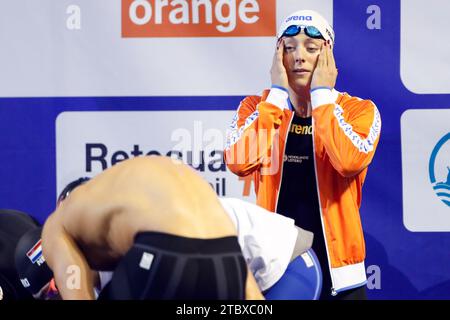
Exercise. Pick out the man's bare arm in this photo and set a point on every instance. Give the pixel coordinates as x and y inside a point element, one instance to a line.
<point>72,274</point>
<point>252,291</point>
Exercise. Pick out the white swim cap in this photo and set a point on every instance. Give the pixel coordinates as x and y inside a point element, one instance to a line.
<point>308,18</point>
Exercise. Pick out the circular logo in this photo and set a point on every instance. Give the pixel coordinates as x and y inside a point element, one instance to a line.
<point>439,169</point>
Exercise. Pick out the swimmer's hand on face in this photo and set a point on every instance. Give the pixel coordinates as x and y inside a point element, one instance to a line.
<point>278,71</point>
<point>325,73</point>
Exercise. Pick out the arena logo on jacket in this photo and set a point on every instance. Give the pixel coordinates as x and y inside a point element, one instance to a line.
<point>426,170</point>
<point>208,18</point>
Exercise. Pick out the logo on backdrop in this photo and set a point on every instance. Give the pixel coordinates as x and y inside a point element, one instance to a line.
<point>208,18</point>
<point>426,170</point>
<point>194,137</point>
<point>99,155</point>
<point>441,184</point>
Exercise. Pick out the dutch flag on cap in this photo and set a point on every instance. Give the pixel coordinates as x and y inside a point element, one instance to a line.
<point>36,252</point>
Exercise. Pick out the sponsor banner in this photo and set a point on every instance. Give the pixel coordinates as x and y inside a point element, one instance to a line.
<point>420,22</point>
<point>198,18</point>
<point>90,142</point>
<point>425,136</point>
<point>83,48</point>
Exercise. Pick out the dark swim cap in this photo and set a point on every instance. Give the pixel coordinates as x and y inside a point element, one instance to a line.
<point>70,187</point>
<point>13,225</point>
<point>7,290</point>
<point>32,269</point>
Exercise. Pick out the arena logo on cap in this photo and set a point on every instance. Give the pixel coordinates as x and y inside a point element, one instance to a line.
<point>198,18</point>
<point>301,18</point>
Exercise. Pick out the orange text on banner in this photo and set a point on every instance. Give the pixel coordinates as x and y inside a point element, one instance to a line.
<point>198,18</point>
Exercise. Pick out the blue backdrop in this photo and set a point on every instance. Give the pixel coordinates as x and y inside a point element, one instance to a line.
<point>412,264</point>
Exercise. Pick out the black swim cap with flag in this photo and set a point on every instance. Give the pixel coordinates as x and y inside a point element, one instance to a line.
<point>31,266</point>
<point>13,225</point>
<point>32,269</point>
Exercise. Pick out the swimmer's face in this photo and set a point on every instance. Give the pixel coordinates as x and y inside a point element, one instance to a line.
<point>300,57</point>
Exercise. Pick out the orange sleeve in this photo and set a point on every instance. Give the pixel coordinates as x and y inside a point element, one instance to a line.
<point>350,132</point>
<point>251,134</point>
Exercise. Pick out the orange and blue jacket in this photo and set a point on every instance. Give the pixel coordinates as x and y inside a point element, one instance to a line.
<point>346,132</point>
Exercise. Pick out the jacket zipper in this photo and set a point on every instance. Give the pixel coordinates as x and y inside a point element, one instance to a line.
<point>282,162</point>
<point>333,291</point>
